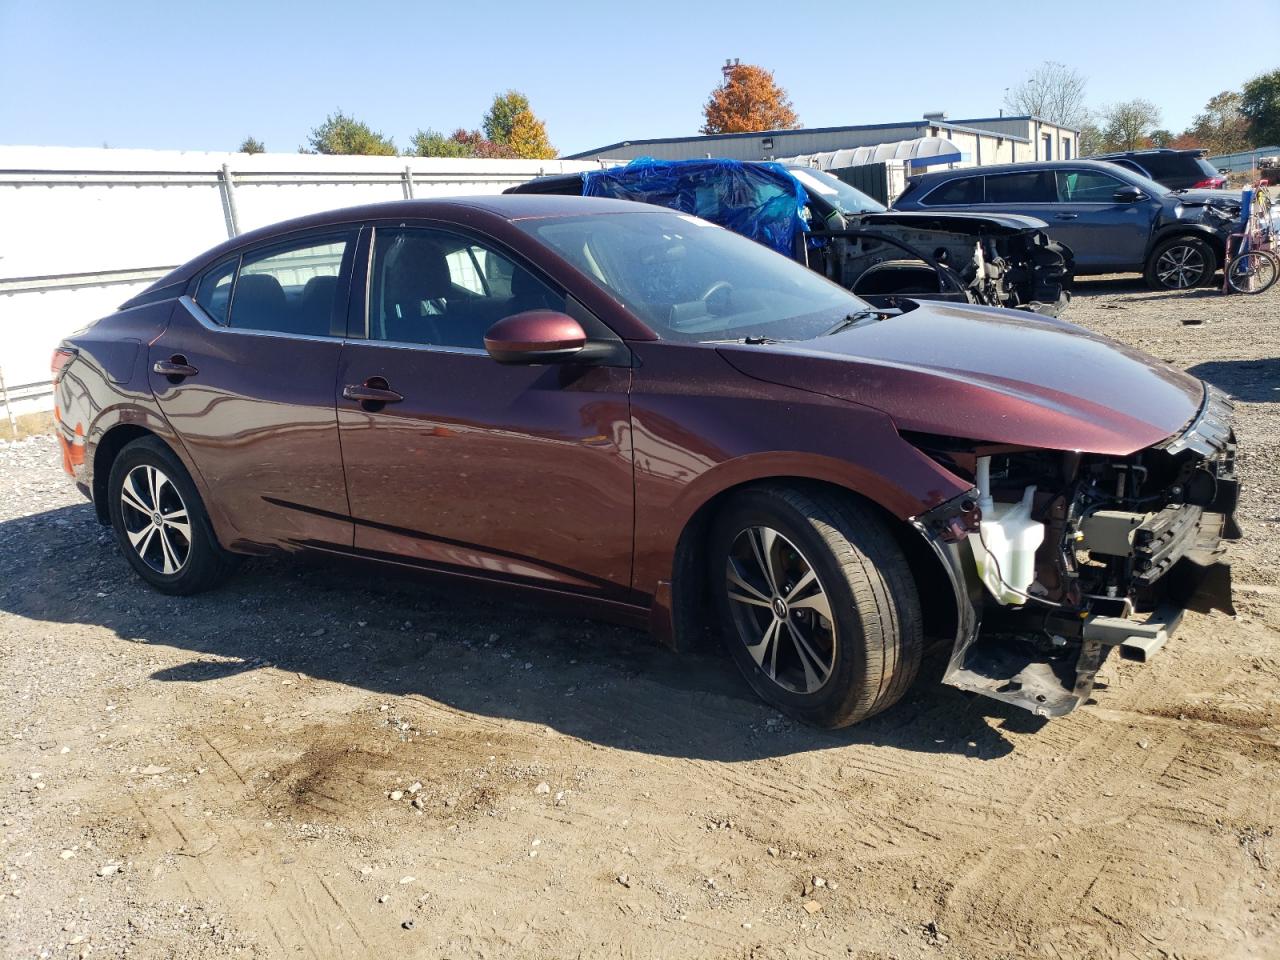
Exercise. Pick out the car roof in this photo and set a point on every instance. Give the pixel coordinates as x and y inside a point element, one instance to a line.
<point>1151,151</point>
<point>1027,167</point>
<point>511,207</point>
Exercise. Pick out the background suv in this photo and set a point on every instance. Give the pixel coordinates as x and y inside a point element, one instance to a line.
<point>1114,220</point>
<point>1175,169</point>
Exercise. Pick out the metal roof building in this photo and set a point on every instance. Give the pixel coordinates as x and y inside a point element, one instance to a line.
<point>978,141</point>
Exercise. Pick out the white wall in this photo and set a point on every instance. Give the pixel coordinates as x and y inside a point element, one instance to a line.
<point>82,229</point>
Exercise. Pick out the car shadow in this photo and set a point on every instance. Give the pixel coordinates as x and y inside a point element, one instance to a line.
<point>468,649</point>
<point>1253,381</point>
<point>1109,285</point>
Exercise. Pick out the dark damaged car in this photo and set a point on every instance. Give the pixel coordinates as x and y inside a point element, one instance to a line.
<point>884,256</point>
<point>653,419</point>
<point>1114,219</point>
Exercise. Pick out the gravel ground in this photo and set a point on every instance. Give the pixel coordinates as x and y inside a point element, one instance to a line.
<point>318,762</point>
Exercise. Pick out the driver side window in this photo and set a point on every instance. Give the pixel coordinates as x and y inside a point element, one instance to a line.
<point>1086,186</point>
<point>437,288</point>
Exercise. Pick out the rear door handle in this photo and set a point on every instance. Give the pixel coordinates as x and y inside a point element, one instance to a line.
<point>175,368</point>
<point>372,391</point>
<point>1066,216</point>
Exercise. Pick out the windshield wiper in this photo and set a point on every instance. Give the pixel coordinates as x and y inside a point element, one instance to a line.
<point>849,320</point>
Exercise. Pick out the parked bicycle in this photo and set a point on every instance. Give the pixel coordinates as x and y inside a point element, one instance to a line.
<point>1251,264</point>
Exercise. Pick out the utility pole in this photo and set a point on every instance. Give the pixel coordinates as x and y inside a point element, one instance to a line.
<point>727,70</point>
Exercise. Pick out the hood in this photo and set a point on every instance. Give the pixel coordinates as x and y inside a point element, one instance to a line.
<point>1201,204</point>
<point>1219,198</point>
<point>979,373</point>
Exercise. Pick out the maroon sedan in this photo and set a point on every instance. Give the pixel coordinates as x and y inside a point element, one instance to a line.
<point>673,425</point>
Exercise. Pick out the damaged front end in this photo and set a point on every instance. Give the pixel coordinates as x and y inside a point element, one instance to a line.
<point>1057,558</point>
<point>964,262</point>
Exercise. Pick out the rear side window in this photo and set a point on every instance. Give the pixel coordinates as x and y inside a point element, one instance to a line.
<point>1034,187</point>
<point>293,288</point>
<point>963,190</point>
<point>214,292</point>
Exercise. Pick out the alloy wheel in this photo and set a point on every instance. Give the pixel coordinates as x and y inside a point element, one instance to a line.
<point>780,609</point>
<point>156,521</point>
<point>1180,267</point>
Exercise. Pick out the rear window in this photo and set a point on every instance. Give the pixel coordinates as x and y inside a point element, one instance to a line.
<point>963,190</point>
<point>1170,165</point>
<point>1034,187</point>
<point>1207,168</point>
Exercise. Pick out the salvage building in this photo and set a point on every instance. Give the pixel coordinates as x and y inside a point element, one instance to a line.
<point>976,141</point>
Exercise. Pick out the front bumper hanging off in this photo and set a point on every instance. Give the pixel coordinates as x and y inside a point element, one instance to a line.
<point>1046,660</point>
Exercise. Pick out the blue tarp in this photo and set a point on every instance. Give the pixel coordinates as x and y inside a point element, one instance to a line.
<point>758,200</point>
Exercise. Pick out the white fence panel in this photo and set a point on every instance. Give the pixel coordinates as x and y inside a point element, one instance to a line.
<point>82,230</point>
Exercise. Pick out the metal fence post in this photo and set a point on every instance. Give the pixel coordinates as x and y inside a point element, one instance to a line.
<point>408,182</point>
<point>4,395</point>
<point>227,187</point>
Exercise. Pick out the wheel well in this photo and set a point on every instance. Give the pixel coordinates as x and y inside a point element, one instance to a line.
<point>693,610</point>
<point>1214,242</point>
<point>104,455</point>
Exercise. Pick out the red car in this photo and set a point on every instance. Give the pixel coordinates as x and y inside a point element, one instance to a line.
<point>676,426</point>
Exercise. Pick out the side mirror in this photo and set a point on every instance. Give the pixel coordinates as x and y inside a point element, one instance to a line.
<point>1128,194</point>
<point>535,336</point>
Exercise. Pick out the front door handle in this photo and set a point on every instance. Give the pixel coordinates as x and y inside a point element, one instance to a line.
<point>372,394</point>
<point>1067,216</point>
<point>175,368</point>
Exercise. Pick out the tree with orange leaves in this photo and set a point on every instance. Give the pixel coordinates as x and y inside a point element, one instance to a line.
<point>748,101</point>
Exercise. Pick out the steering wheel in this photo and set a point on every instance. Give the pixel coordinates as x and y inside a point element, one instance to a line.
<point>716,297</point>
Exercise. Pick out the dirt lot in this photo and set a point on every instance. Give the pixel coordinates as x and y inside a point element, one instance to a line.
<point>215,776</point>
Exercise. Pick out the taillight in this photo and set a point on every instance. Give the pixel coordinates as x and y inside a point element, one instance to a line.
<point>61,357</point>
<point>1210,183</point>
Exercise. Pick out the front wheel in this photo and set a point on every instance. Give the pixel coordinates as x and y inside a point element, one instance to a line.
<point>1253,271</point>
<point>160,521</point>
<point>817,603</point>
<point>1180,264</point>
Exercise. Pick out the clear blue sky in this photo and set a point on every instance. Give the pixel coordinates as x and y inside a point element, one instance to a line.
<point>202,76</point>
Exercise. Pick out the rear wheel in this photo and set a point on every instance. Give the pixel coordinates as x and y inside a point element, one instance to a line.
<point>160,521</point>
<point>1180,264</point>
<point>817,603</point>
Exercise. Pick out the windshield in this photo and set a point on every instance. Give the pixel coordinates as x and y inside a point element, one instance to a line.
<point>693,281</point>
<point>1146,183</point>
<point>835,191</point>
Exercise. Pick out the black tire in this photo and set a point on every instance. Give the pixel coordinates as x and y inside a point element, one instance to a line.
<point>1170,265</point>
<point>874,638</point>
<point>204,564</point>
<point>1253,272</point>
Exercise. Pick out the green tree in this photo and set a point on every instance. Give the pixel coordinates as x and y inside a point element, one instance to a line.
<point>1222,128</point>
<point>528,138</point>
<point>433,143</point>
<point>1260,104</point>
<point>1091,139</point>
<point>1128,125</point>
<point>1161,137</point>
<point>341,134</point>
<point>501,118</point>
<point>252,145</point>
